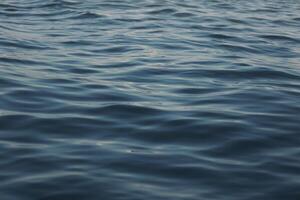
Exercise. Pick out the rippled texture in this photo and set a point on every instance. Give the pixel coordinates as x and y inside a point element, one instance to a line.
<point>149,99</point>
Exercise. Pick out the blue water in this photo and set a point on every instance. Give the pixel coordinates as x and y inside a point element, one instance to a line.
<point>149,100</point>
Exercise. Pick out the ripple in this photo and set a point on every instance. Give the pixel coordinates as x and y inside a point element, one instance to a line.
<point>162,11</point>
<point>87,15</point>
<point>183,14</point>
<point>280,38</point>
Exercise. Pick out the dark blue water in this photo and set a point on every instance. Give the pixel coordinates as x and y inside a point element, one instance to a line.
<point>149,100</point>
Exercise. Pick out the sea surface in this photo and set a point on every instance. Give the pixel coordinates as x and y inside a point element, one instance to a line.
<point>149,100</point>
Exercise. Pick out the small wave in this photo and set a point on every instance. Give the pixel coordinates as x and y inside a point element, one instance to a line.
<point>24,45</point>
<point>87,15</point>
<point>280,38</point>
<point>20,61</point>
<point>183,14</point>
<point>162,11</point>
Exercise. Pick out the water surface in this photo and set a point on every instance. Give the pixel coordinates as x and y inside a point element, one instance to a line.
<point>149,99</point>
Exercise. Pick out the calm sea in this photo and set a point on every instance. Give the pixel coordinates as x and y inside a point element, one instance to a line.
<point>149,100</point>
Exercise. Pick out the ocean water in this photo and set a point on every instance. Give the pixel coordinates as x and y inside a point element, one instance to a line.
<point>149,100</point>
